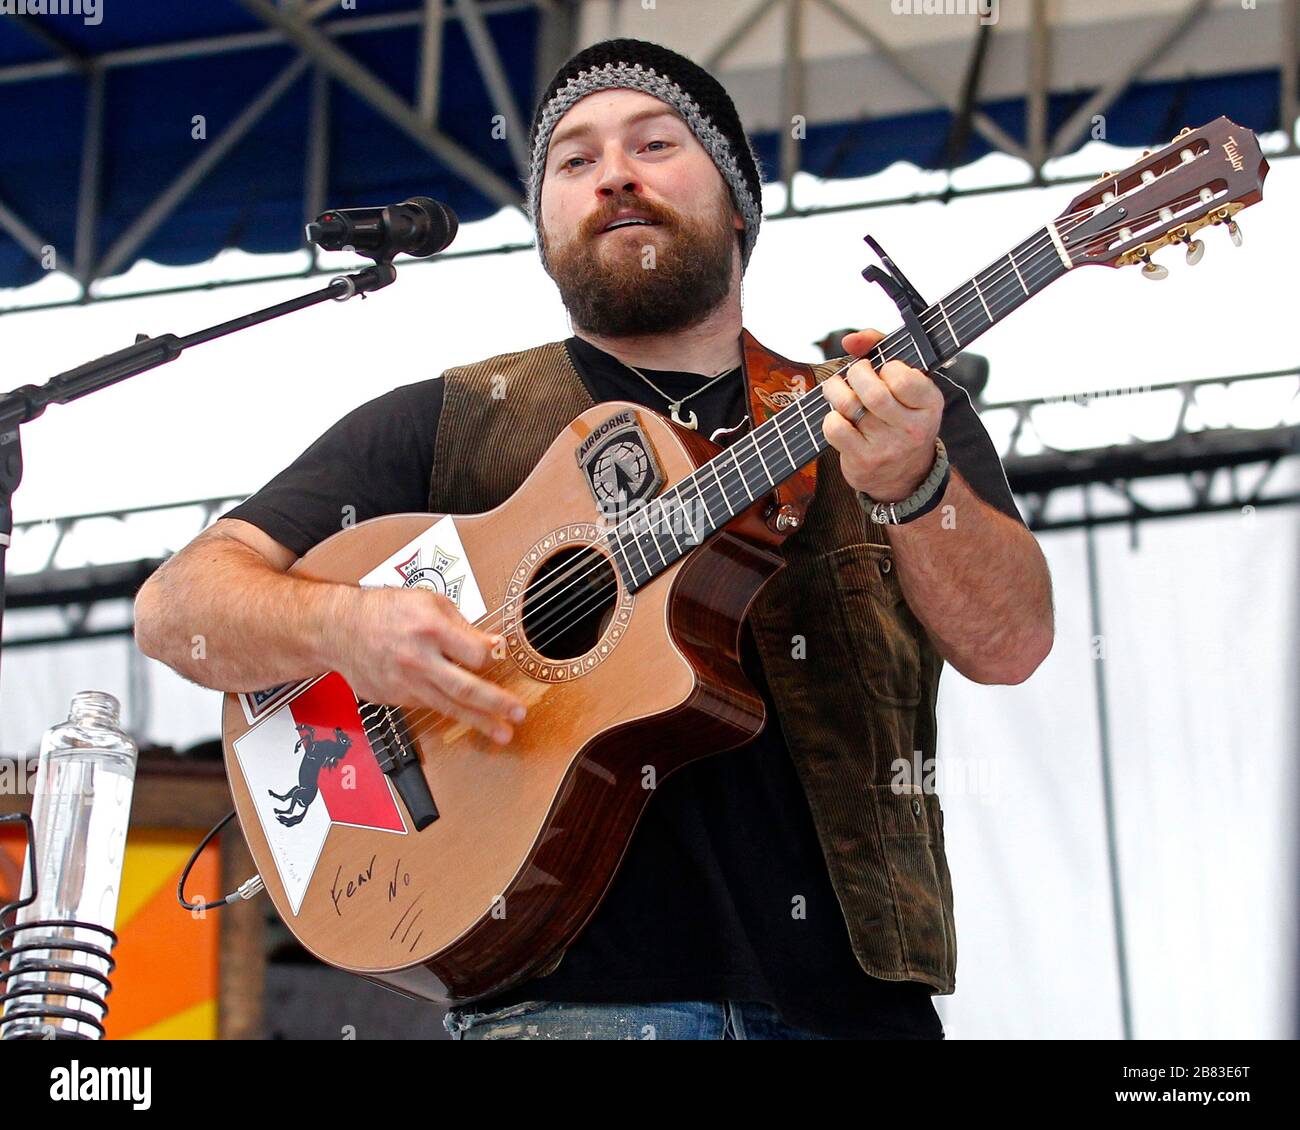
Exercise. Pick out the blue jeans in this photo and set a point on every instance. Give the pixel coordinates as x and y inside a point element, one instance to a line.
<point>672,1020</point>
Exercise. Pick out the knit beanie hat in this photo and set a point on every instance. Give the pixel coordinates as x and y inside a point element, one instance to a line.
<point>697,97</point>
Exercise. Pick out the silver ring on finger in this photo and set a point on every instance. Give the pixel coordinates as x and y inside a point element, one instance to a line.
<point>856,419</point>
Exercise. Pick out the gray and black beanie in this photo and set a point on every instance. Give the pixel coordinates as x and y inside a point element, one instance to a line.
<point>697,97</point>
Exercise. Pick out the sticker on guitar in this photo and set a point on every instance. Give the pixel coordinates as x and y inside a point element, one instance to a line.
<point>335,780</point>
<point>435,560</point>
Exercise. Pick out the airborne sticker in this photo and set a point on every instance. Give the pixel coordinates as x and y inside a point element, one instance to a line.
<point>619,465</point>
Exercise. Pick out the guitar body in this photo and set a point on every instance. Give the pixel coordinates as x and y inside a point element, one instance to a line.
<point>527,837</point>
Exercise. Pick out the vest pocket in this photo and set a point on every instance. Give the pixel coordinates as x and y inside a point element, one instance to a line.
<point>911,831</point>
<point>879,630</point>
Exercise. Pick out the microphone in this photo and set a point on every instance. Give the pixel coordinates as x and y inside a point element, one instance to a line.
<point>419,227</point>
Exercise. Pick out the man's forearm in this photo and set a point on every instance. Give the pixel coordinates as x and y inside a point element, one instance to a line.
<point>221,616</point>
<point>978,582</point>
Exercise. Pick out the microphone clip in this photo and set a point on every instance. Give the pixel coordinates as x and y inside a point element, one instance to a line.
<point>362,282</point>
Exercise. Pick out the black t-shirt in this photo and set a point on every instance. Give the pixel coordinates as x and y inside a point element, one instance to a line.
<point>723,892</point>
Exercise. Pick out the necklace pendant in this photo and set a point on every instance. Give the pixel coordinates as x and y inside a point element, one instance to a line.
<point>692,423</point>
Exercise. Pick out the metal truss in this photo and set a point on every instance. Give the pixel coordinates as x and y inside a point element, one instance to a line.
<point>75,593</point>
<point>318,50</point>
<point>1220,469</point>
<point>321,50</point>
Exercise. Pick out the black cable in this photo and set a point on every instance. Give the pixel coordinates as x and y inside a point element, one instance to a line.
<point>245,891</point>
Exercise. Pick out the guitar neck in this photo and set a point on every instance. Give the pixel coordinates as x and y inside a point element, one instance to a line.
<point>681,517</point>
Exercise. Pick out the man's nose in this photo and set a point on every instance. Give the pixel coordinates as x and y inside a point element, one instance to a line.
<point>616,175</point>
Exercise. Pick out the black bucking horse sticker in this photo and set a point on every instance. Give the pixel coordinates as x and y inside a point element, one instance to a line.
<point>316,756</point>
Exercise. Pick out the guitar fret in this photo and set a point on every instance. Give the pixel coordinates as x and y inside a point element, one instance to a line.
<point>807,426</point>
<point>1012,256</point>
<point>686,517</point>
<point>704,502</point>
<point>636,541</point>
<point>759,448</point>
<point>627,561</point>
<point>722,487</point>
<point>740,471</point>
<point>956,341</point>
<point>975,282</point>
<point>669,524</point>
<point>776,424</point>
<point>654,537</point>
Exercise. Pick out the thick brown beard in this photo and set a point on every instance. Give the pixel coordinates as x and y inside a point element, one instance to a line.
<point>616,296</point>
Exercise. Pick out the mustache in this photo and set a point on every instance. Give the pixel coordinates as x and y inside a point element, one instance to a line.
<point>655,212</point>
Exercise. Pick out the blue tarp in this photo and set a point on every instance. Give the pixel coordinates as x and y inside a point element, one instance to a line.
<point>254,199</point>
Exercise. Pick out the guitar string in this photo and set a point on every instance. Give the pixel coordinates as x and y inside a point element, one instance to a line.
<point>997,290</point>
<point>999,287</point>
<point>957,312</point>
<point>991,285</point>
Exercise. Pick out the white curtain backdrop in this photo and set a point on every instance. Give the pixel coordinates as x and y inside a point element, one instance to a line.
<point>1199,639</point>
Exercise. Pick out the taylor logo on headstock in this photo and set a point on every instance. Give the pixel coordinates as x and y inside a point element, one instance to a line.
<point>618,463</point>
<point>1235,158</point>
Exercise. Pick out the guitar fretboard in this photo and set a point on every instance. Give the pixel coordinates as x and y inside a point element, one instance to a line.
<point>677,520</point>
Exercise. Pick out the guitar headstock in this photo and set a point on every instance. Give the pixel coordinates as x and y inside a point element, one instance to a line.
<point>1204,176</point>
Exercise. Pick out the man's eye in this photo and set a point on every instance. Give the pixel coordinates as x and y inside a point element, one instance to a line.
<point>568,163</point>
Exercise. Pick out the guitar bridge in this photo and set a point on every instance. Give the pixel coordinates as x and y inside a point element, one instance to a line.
<point>390,742</point>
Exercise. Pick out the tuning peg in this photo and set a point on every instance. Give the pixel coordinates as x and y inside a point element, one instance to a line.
<point>1153,271</point>
<point>1195,248</point>
<point>1234,233</point>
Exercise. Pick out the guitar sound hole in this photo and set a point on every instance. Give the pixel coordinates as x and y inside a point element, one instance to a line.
<point>568,603</point>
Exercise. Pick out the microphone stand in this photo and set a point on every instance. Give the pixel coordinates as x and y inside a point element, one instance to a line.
<point>29,401</point>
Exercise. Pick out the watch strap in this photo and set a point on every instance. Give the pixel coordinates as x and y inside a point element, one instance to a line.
<point>925,498</point>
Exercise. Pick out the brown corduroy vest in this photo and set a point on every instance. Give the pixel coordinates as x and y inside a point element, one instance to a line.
<point>851,670</point>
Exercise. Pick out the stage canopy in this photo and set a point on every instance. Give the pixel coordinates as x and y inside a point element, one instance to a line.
<point>170,131</point>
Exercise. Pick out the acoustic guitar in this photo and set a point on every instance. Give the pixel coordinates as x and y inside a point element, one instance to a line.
<point>405,847</point>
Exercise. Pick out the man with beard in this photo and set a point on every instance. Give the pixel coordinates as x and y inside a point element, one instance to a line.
<point>785,889</point>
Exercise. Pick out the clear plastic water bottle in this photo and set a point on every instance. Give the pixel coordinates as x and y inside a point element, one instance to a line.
<point>80,812</point>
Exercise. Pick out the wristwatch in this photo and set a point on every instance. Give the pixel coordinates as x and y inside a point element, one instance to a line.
<point>924,499</point>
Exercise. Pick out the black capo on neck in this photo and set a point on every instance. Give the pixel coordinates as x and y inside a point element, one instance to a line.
<point>906,297</point>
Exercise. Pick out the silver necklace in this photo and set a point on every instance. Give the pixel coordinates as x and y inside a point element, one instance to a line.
<point>675,405</point>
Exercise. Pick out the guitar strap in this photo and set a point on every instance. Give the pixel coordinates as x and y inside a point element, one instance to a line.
<point>774,382</point>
